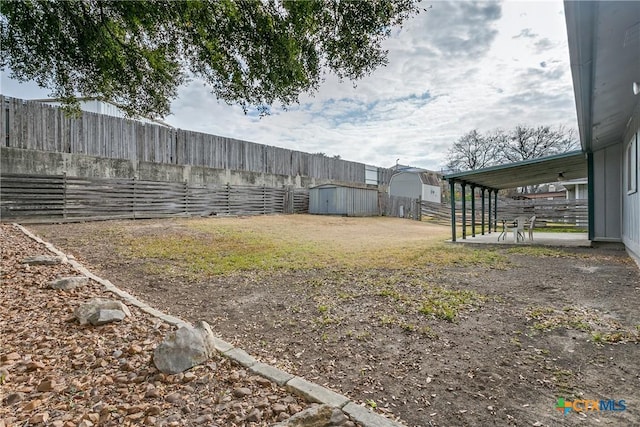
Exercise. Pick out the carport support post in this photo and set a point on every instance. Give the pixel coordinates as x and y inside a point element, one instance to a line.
<point>473,210</point>
<point>464,210</point>
<point>452,197</point>
<point>495,210</point>
<point>489,211</point>
<point>482,210</point>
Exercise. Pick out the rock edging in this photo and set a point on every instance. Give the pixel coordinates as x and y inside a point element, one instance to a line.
<point>312,392</point>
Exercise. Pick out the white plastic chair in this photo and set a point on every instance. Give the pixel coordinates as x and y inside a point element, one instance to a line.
<point>532,224</point>
<point>518,228</point>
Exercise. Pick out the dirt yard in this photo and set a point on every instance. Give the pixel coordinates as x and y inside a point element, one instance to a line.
<point>384,312</point>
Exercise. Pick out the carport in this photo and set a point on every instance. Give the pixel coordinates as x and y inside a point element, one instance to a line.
<point>566,166</point>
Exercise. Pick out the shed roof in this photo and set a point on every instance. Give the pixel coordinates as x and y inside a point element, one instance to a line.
<point>429,178</point>
<point>426,177</point>
<point>571,165</point>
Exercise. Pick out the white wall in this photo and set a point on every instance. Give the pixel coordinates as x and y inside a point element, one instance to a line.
<point>405,184</point>
<point>409,184</point>
<point>431,193</point>
<point>577,191</point>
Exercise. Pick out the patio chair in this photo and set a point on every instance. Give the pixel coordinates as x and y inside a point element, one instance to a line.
<point>516,226</point>
<point>532,224</point>
<point>519,228</point>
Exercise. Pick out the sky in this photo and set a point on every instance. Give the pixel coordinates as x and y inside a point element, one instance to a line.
<point>459,66</point>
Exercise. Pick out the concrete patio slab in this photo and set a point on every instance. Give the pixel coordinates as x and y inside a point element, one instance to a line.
<point>539,239</point>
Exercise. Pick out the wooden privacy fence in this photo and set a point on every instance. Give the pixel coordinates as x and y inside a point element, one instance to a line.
<point>402,207</point>
<point>31,198</point>
<point>569,212</point>
<point>438,212</point>
<point>36,126</point>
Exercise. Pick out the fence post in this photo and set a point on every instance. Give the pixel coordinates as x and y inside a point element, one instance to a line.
<point>64,195</point>
<point>419,208</point>
<point>288,200</point>
<point>292,200</point>
<point>264,199</point>
<point>186,198</point>
<point>133,200</point>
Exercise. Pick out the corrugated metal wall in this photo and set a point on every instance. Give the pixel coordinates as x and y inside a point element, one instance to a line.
<point>342,200</point>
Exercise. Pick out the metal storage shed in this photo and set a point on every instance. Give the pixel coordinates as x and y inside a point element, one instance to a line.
<point>419,184</point>
<point>333,199</point>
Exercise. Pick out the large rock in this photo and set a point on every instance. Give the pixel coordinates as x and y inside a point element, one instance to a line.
<point>42,260</point>
<point>99,311</point>
<point>102,317</point>
<point>185,348</point>
<point>68,283</point>
<point>316,416</point>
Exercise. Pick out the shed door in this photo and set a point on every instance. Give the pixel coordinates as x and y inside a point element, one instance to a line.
<point>326,200</point>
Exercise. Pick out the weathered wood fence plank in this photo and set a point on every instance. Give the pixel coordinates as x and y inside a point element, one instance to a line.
<point>570,212</point>
<point>61,198</point>
<point>37,126</point>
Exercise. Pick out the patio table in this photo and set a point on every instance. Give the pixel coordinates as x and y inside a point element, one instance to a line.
<point>516,224</point>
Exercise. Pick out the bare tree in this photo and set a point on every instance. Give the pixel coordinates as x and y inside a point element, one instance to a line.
<point>524,143</point>
<point>476,151</point>
<point>472,151</point>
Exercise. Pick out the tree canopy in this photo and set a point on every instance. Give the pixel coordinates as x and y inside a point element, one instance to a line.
<point>136,54</point>
<point>475,150</point>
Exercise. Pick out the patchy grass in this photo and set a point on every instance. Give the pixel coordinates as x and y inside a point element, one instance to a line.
<point>542,251</point>
<point>433,301</point>
<point>199,248</point>
<point>615,337</point>
<point>446,304</point>
<point>444,255</point>
<point>558,227</point>
<point>564,380</point>
<point>209,247</point>
<point>601,329</point>
<point>393,294</point>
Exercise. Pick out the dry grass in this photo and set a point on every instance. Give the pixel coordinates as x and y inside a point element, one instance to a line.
<point>212,246</point>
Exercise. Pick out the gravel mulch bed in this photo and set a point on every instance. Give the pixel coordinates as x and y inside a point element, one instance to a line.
<point>56,372</point>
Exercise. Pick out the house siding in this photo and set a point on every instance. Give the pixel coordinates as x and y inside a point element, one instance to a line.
<point>607,195</point>
<point>631,201</point>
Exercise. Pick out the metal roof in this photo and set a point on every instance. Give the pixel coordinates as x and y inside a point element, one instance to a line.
<point>430,178</point>
<point>571,165</point>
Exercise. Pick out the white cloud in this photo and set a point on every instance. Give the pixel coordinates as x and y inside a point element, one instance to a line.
<point>456,67</point>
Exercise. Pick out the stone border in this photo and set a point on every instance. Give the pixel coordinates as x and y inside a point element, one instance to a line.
<point>312,392</point>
